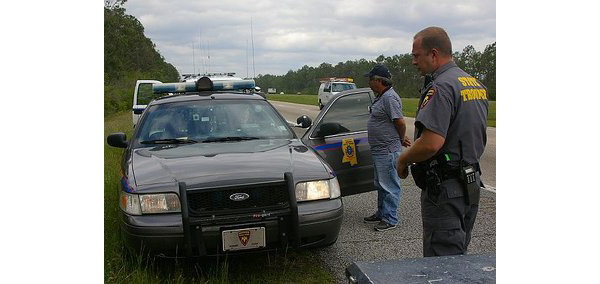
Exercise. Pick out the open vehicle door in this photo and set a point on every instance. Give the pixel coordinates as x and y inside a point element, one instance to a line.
<point>142,95</point>
<point>339,136</point>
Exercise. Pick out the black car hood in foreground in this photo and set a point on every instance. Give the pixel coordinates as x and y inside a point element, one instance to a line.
<point>226,163</point>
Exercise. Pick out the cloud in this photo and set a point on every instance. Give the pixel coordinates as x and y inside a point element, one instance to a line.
<point>290,34</point>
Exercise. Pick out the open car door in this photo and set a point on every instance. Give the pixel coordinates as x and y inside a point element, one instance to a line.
<point>339,136</point>
<point>142,95</point>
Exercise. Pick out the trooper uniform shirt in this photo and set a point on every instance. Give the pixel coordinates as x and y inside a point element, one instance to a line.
<point>455,105</point>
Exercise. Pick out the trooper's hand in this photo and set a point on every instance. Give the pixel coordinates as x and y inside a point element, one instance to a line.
<point>406,141</point>
<point>402,169</point>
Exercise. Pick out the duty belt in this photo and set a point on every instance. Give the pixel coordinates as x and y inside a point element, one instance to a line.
<point>446,171</point>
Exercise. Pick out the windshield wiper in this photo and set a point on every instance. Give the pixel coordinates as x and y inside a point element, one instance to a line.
<point>170,141</point>
<point>229,138</point>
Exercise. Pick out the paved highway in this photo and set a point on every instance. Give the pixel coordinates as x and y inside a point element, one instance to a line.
<point>359,242</point>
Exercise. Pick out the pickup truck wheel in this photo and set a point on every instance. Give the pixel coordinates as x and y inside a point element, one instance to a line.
<point>320,105</point>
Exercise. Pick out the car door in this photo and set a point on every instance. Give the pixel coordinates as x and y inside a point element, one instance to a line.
<point>142,95</point>
<point>342,121</point>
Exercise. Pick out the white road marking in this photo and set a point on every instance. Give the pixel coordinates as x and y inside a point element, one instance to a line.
<point>489,188</point>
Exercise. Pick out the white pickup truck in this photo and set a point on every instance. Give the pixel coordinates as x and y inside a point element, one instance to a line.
<point>332,86</point>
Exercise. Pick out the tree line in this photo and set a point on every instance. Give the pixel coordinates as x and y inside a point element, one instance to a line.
<point>407,81</point>
<point>128,56</point>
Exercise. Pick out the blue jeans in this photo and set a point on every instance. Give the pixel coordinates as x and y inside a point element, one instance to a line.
<point>387,184</point>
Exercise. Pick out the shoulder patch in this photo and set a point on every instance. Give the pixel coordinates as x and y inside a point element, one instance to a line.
<point>428,97</point>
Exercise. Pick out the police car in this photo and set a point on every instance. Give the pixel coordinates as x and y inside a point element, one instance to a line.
<point>332,86</point>
<point>213,168</point>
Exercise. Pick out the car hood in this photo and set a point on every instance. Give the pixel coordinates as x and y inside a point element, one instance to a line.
<point>227,163</point>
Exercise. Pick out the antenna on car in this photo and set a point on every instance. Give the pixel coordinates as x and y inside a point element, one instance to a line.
<point>252,37</point>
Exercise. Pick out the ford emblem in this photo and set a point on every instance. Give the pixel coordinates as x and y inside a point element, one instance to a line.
<point>239,196</point>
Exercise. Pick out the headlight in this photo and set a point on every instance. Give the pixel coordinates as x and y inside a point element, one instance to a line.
<point>130,203</point>
<point>135,204</point>
<point>320,189</point>
<point>159,203</point>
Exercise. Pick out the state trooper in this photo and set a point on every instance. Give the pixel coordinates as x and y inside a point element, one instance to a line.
<point>450,136</point>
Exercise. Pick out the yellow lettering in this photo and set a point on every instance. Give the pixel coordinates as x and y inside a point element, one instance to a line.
<point>463,80</point>
<point>473,94</point>
<point>473,82</point>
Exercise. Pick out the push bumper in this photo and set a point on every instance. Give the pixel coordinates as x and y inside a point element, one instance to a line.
<point>319,223</point>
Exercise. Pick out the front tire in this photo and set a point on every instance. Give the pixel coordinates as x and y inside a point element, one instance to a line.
<point>320,105</point>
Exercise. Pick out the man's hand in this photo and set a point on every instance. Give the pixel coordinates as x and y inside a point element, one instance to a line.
<point>406,141</point>
<point>401,168</point>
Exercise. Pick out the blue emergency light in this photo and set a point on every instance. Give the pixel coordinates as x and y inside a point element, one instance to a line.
<point>203,84</point>
<point>174,87</point>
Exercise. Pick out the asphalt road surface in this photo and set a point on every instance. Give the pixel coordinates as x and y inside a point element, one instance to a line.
<point>359,242</point>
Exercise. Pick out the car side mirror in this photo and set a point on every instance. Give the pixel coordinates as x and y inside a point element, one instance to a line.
<point>330,128</point>
<point>118,140</point>
<point>327,90</point>
<point>304,121</point>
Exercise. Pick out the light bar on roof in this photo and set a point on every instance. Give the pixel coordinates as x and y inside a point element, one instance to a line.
<point>204,84</point>
<point>233,84</point>
<point>335,79</point>
<point>174,87</point>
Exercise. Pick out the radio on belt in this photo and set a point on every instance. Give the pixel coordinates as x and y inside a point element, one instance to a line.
<point>468,178</point>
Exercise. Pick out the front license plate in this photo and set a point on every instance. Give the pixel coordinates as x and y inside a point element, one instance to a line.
<point>243,239</point>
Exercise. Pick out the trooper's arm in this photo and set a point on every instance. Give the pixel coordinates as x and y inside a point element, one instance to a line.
<point>424,148</point>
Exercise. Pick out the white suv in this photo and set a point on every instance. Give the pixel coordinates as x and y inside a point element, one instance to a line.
<point>332,86</point>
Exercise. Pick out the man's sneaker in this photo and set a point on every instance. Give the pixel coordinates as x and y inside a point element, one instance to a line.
<point>383,226</point>
<point>372,218</point>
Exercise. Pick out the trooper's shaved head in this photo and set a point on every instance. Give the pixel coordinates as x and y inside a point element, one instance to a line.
<point>435,37</point>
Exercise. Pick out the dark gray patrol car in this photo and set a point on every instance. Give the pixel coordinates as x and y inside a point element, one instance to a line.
<point>213,168</point>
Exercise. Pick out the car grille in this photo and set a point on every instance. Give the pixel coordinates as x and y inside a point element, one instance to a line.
<point>217,201</point>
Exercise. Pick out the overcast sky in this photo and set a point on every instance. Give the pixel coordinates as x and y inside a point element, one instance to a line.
<point>291,34</point>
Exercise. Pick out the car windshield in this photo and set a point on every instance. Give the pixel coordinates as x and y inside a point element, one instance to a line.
<point>340,87</point>
<point>209,121</point>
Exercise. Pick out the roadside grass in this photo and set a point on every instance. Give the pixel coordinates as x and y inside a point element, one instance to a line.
<point>409,105</point>
<point>297,99</point>
<point>492,113</point>
<point>122,266</point>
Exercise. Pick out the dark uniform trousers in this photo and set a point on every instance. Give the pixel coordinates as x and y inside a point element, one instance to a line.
<point>447,220</point>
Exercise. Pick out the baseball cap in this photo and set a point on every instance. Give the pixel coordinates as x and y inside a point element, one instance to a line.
<point>379,70</point>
